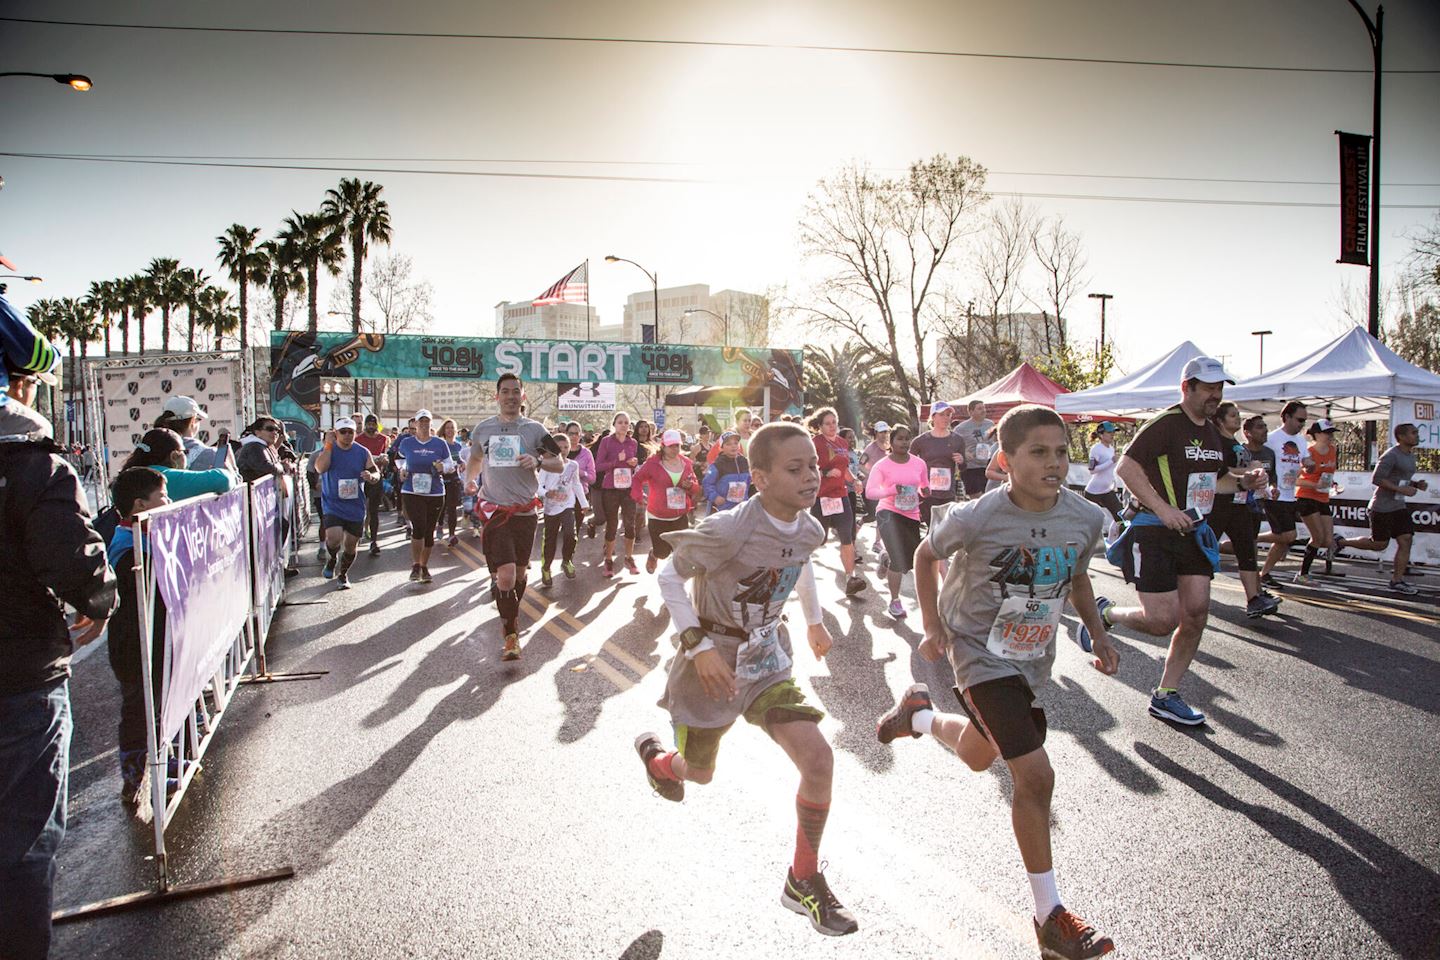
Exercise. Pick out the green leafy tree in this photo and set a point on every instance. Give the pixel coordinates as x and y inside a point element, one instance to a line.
<point>284,275</point>
<point>365,219</point>
<point>317,241</point>
<point>167,285</point>
<point>857,382</point>
<point>245,263</point>
<point>140,299</point>
<point>1416,335</point>
<point>1076,369</point>
<point>216,314</point>
<point>192,282</point>
<point>103,302</point>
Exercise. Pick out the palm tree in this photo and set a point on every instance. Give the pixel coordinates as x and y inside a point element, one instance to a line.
<point>316,239</point>
<point>44,316</point>
<point>245,263</point>
<point>857,382</point>
<point>102,302</point>
<point>216,313</point>
<point>365,218</point>
<point>168,286</point>
<point>141,298</point>
<point>284,275</point>
<point>191,282</point>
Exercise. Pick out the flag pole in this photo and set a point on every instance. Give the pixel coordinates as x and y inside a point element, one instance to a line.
<point>587,298</point>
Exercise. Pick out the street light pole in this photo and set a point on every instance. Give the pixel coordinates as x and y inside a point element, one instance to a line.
<point>655,293</point>
<point>1262,334</point>
<point>724,320</point>
<point>1375,28</point>
<point>75,81</point>
<point>1103,298</point>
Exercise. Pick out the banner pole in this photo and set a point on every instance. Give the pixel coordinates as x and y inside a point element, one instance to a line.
<point>145,608</point>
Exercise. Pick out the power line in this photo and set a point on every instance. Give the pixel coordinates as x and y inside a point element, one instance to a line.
<point>724,44</point>
<point>526,175</point>
<point>52,154</point>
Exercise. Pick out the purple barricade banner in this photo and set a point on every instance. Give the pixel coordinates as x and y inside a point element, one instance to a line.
<point>202,568</point>
<point>265,515</point>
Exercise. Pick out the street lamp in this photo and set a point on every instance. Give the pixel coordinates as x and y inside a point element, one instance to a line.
<point>330,397</point>
<point>655,292</point>
<point>16,276</point>
<point>725,320</point>
<point>1103,298</point>
<point>1262,334</point>
<point>74,81</point>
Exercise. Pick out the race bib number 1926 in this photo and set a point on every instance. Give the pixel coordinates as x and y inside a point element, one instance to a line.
<point>1024,627</point>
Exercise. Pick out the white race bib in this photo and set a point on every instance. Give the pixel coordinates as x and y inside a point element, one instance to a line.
<point>735,491</point>
<point>830,506</point>
<point>1024,627</point>
<point>1200,492</point>
<point>1288,475</point>
<point>420,483</point>
<point>557,495</point>
<point>939,479</point>
<point>620,476</point>
<point>984,451</point>
<point>504,450</point>
<point>349,489</point>
<point>907,497</point>
<point>760,656</point>
<point>675,498</point>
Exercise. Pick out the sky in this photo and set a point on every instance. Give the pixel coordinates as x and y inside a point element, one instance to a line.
<point>695,159</point>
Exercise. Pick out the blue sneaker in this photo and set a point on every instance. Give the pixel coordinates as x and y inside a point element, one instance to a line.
<point>1082,636</point>
<point>1172,707</point>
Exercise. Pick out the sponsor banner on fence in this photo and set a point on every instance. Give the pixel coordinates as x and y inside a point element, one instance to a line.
<point>1422,413</point>
<point>591,395</point>
<point>265,515</point>
<point>133,397</point>
<point>202,570</point>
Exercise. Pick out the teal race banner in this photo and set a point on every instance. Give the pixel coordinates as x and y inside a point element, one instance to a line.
<point>299,359</point>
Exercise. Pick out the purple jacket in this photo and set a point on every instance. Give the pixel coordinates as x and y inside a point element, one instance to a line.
<point>613,454</point>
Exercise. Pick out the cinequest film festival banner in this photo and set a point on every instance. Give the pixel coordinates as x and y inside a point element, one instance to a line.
<point>299,359</point>
<point>134,397</point>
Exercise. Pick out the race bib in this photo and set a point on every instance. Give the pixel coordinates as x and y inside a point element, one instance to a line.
<point>1024,627</point>
<point>675,498</point>
<point>830,506</point>
<point>735,491</point>
<point>1288,476</point>
<point>621,477</point>
<point>1200,492</point>
<point>984,451</point>
<point>556,496</point>
<point>349,489</point>
<point>420,483</point>
<point>504,450</point>
<point>939,479</point>
<point>761,656</point>
<point>907,497</point>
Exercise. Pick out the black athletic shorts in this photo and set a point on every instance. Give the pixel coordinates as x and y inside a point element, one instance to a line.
<point>1004,710</point>
<point>928,504</point>
<point>1162,556</point>
<point>1281,516</point>
<point>1391,524</point>
<point>843,523</point>
<point>355,528</point>
<point>1305,507</point>
<point>659,546</point>
<point>974,480</point>
<point>1233,520</point>
<point>509,540</point>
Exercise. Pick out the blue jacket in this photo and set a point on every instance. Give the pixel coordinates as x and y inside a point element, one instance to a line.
<point>1119,552</point>
<point>723,472</point>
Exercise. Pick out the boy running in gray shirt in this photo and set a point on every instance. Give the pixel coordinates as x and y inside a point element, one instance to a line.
<point>1018,553</point>
<point>735,657</point>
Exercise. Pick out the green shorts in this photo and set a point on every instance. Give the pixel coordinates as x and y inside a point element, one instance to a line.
<point>781,702</point>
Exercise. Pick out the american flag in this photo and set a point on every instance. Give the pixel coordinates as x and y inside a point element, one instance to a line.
<point>574,287</point>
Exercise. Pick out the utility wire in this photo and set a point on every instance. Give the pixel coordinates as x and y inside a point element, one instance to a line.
<point>724,44</point>
<point>523,175</point>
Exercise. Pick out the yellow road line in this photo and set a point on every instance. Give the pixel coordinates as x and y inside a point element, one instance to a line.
<point>631,661</point>
<point>548,624</point>
<point>619,679</point>
<point>1341,603</point>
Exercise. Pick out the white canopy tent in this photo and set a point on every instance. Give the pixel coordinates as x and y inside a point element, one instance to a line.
<point>1354,377</point>
<point>1152,387</point>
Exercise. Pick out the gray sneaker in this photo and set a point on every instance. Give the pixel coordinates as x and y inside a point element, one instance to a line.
<point>1261,606</point>
<point>1400,586</point>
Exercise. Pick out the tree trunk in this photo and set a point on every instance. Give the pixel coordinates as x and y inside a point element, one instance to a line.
<point>244,311</point>
<point>357,257</point>
<point>105,318</point>
<point>164,328</point>
<point>279,310</point>
<point>125,332</point>
<point>312,274</point>
<point>140,333</point>
<point>190,327</point>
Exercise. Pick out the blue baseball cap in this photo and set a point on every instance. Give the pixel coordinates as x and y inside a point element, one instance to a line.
<point>1105,426</point>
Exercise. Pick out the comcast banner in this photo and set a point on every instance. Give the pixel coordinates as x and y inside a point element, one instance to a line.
<point>299,359</point>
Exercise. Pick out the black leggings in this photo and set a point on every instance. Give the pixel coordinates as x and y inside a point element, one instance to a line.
<point>451,511</point>
<point>659,548</point>
<point>619,502</point>
<point>423,512</point>
<point>1234,520</point>
<point>374,493</point>
<point>1109,500</point>
<point>559,531</point>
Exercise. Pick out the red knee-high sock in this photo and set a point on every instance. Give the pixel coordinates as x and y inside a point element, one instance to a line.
<point>661,767</point>
<point>812,817</point>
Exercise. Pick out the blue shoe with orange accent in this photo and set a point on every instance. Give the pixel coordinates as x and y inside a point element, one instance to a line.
<point>1082,636</point>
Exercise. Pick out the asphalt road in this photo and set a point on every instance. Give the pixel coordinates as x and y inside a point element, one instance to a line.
<point>436,802</point>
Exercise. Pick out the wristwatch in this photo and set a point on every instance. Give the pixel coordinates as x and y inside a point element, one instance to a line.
<point>692,637</point>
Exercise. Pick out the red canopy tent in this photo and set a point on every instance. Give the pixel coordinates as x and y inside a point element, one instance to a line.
<point>1024,384</point>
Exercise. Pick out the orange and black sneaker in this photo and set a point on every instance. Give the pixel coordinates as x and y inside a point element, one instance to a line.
<point>898,722</point>
<point>649,747</point>
<point>1066,936</point>
<point>512,647</point>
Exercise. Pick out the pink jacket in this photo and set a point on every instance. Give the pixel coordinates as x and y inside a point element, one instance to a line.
<point>652,475</point>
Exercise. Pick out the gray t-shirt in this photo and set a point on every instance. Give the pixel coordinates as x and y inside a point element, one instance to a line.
<point>939,456</point>
<point>743,570</point>
<point>972,433</point>
<point>508,485</point>
<point>1398,467</point>
<point>1008,580</point>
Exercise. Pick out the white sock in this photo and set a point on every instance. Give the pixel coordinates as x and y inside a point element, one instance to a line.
<point>921,720</point>
<point>1047,898</point>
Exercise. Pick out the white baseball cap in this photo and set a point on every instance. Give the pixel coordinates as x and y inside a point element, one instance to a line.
<point>1206,370</point>
<point>671,437</point>
<point>184,408</point>
<point>344,423</point>
<point>881,426</point>
<point>423,415</point>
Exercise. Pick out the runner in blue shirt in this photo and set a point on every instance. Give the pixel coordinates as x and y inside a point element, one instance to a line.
<point>426,460</point>
<point>344,467</point>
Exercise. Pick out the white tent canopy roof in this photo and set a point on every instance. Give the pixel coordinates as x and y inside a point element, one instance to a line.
<point>1152,387</point>
<point>1354,377</point>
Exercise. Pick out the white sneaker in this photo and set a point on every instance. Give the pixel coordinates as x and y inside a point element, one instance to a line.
<point>897,610</point>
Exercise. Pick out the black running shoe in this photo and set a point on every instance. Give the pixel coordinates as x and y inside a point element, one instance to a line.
<point>1067,937</point>
<point>897,723</point>
<point>648,745</point>
<point>374,549</point>
<point>415,572</point>
<point>812,898</point>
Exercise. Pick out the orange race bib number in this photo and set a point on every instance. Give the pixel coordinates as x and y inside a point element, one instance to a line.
<point>1025,627</point>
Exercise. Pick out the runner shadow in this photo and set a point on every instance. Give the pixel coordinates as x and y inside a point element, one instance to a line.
<point>647,946</point>
<point>1398,897</point>
<point>1084,719</point>
<point>583,689</point>
<point>856,691</point>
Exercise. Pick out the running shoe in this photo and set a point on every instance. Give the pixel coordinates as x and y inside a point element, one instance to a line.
<point>1270,596</point>
<point>1304,579</point>
<point>590,530</point>
<point>545,578</point>
<point>1082,636</point>
<point>855,585</point>
<point>329,570</point>
<point>415,572</point>
<point>897,609</point>
<point>648,745</point>
<point>630,567</point>
<point>1261,606</point>
<point>511,650</point>
<point>609,567</point>
<point>651,563</point>
<point>1400,586</point>
<point>322,553</point>
<point>567,567</point>
<point>424,574</point>
<point>343,583</point>
<point>1173,707</point>
<point>374,549</point>
<point>1066,936</point>
<point>1339,545</point>
<point>899,721</point>
<point>454,541</point>
<point>1268,580</point>
<point>882,568</point>
<point>812,898</point>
